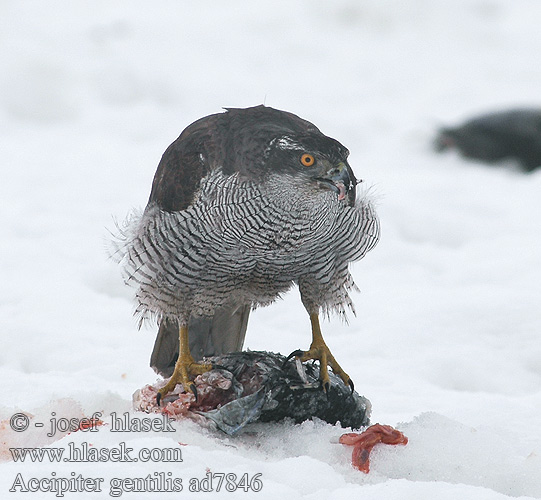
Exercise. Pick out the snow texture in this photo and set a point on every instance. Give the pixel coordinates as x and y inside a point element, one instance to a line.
<point>446,340</point>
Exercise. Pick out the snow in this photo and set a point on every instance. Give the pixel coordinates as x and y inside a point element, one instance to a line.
<point>445,343</point>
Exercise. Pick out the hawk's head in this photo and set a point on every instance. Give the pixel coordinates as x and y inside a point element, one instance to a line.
<point>315,158</point>
<point>253,143</point>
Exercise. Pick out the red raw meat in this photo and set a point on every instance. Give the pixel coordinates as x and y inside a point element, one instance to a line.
<point>365,441</point>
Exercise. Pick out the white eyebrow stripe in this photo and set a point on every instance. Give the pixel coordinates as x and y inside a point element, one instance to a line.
<point>286,142</point>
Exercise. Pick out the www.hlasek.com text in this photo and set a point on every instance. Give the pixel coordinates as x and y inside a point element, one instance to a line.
<point>88,453</point>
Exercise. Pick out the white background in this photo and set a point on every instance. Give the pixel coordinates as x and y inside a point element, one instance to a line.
<point>446,342</point>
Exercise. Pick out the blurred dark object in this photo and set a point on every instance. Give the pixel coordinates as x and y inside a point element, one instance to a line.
<point>256,386</point>
<point>514,134</point>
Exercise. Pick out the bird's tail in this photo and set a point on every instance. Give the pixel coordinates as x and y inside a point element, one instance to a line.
<point>219,334</point>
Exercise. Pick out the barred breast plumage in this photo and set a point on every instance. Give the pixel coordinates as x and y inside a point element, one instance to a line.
<point>246,243</point>
<point>244,204</point>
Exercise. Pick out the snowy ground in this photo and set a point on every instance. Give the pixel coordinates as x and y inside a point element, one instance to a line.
<point>446,342</point>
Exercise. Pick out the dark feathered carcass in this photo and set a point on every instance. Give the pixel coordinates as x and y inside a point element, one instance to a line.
<point>246,387</point>
<point>514,134</point>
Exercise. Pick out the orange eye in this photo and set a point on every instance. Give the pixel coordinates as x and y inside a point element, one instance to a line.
<point>307,160</point>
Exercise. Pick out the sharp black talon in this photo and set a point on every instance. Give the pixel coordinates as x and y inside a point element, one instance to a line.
<point>158,398</point>
<point>350,383</point>
<point>297,353</point>
<point>326,387</point>
<point>194,390</point>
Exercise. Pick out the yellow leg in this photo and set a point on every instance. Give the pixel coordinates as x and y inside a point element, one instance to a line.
<point>184,366</point>
<point>319,350</point>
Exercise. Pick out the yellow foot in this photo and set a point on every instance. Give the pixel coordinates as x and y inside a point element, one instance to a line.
<point>325,358</point>
<point>319,350</point>
<point>184,367</point>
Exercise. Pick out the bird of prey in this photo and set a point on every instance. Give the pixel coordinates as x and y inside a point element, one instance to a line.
<point>244,204</point>
<point>513,134</point>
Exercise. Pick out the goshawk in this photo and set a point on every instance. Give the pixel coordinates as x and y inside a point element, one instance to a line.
<point>244,204</point>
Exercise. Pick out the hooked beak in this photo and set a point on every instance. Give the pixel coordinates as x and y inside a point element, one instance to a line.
<point>341,180</point>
